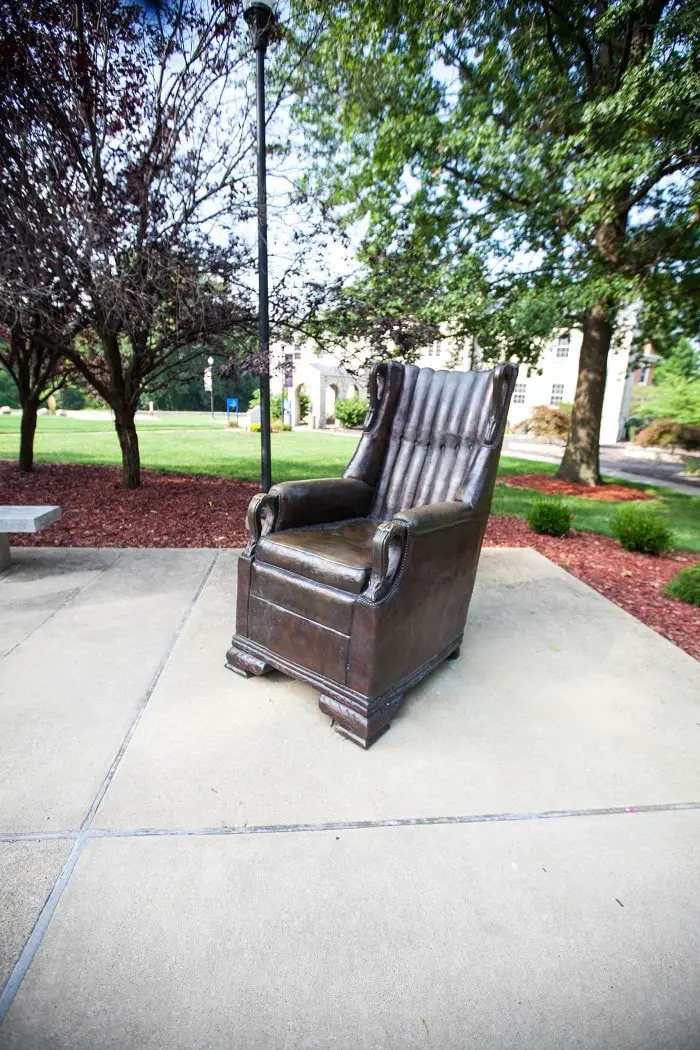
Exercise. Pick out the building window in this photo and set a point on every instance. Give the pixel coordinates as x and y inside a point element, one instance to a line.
<point>643,374</point>
<point>563,343</point>
<point>297,355</point>
<point>431,349</point>
<point>519,394</point>
<point>557,394</point>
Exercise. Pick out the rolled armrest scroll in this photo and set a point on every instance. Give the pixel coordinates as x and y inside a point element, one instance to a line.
<point>262,511</point>
<point>387,549</point>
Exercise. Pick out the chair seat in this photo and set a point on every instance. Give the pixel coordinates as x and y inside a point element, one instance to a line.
<point>338,554</point>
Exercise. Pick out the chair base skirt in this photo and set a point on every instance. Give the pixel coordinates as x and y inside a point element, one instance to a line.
<point>362,719</point>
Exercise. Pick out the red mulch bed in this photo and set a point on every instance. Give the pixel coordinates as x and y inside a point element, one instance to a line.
<point>169,510</point>
<point>184,510</point>
<point>556,487</point>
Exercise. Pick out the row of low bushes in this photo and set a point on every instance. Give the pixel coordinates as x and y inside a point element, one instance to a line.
<point>639,529</point>
<point>553,423</point>
<point>275,428</point>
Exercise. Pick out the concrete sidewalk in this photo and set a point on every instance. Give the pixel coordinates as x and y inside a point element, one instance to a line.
<point>189,859</point>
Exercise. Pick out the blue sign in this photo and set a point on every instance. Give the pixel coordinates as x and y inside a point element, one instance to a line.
<point>231,406</point>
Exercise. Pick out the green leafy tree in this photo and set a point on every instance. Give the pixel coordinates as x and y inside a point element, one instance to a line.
<point>676,398</point>
<point>8,389</point>
<point>682,362</point>
<point>127,179</point>
<point>34,358</point>
<point>675,394</point>
<point>518,167</point>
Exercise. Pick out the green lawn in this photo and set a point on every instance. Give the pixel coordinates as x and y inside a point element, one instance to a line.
<point>194,444</point>
<point>190,444</point>
<point>594,516</point>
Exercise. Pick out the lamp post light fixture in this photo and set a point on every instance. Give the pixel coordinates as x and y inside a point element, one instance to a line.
<point>210,362</point>
<point>260,16</point>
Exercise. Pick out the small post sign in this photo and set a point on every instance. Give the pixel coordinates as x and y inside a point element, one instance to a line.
<point>231,406</point>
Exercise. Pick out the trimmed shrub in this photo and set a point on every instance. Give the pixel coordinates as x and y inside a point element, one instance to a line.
<point>633,425</point>
<point>685,585</point>
<point>550,517</point>
<point>70,397</point>
<point>551,422</point>
<point>8,390</point>
<point>255,428</point>
<point>351,411</point>
<point>304,407</point>
<point>665,433</point>
<point>641,529</point>
<point>276,406</point>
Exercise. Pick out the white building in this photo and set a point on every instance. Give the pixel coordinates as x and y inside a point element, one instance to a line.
<point>553,382</point>
<point>297,369</point>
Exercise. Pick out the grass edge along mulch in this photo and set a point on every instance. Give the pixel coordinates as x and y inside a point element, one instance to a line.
<point>186,510</point>
<point>549,486</point>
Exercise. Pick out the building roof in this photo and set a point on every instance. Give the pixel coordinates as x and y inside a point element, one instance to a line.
<point>329,370</point>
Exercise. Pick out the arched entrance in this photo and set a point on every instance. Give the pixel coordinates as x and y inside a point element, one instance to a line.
<point>331,398</point>
<point>302,402</point>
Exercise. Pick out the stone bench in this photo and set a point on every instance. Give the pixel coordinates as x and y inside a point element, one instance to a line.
<point>23,519</point>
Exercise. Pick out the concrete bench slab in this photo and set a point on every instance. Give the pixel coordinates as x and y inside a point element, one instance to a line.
<point>23,519</point>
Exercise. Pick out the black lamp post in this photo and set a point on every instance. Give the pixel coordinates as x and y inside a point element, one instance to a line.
<point>260,16</point>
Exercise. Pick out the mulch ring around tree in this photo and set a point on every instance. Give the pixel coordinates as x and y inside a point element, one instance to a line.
<point>185,510</point>
<point>550,486</point>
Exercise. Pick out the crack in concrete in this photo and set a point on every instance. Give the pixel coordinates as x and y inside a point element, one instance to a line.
<point>345,825</point>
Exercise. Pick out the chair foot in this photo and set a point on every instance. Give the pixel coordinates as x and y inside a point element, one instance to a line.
<point>454,655</point>
<point>246,664</point>
<point>363,730</point>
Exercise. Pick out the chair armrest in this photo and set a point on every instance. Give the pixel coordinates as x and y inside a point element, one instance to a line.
<point>318,501</point>
<point>435,517</point>
<point>412,528</point>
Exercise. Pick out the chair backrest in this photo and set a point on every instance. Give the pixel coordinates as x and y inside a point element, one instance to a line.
<point>429,426</point>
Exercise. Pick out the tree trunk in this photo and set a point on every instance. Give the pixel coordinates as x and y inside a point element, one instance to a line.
<point>30,408</point>
<point>580,461</point>
<point>129,444</point>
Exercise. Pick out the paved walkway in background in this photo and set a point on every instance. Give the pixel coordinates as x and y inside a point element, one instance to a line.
<point>615,461</point>
<point>189,859</point>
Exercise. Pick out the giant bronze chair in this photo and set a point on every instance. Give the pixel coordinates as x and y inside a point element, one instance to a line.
<point>360,585</point>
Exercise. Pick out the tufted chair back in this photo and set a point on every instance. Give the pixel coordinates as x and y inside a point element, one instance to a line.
<point>424,431</point>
